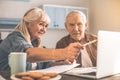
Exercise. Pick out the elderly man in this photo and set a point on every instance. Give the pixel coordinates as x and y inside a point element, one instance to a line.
<point>76,25</point>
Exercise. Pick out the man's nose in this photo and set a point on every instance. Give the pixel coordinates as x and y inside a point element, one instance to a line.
<point>76,28</point>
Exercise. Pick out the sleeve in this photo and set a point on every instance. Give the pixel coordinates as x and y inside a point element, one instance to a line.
<point>61,44</point>
<point>58,45</point>
<point>43,65</point>
<point>18,44</point>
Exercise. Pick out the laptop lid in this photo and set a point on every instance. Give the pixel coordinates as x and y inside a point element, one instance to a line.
<point>108,53</point>
<point>108,57</point>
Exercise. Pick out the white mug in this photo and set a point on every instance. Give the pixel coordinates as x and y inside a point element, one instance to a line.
<point>17,62</point>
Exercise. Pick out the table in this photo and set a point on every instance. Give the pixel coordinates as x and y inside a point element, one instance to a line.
<point>6,75</point>
<point>67,77</point>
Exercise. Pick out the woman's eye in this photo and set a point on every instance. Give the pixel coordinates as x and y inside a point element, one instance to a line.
<point>42,24</point>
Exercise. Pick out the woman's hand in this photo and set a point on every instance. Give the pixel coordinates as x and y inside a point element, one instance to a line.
<point>73,50</point>
<point>62,62</point>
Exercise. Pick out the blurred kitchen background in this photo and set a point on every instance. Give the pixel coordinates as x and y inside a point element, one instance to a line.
<point>101,15</point>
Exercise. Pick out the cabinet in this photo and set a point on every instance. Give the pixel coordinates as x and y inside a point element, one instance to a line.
<point>9,23</point>
<point>57,14</point>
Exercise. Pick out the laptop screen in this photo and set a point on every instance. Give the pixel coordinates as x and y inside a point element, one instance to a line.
<point>108,53</point>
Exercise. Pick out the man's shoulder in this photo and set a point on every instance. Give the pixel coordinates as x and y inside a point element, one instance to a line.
<point>64,39</point>
<point>63,42</point>
<point>89,35</point>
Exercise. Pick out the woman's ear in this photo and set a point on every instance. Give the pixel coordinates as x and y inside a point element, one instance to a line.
<point>28,24</point>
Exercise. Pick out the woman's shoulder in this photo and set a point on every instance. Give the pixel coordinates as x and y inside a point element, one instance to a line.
<point>15,34</point>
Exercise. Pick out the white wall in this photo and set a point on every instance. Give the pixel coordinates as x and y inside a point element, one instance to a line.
<point>16,9</point>
<point>13,9</point>
<point>104,15</point>
<point>82,3</point>
<point>52,36</point>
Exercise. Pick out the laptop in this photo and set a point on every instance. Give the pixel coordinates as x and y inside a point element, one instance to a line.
<point>108,57</point>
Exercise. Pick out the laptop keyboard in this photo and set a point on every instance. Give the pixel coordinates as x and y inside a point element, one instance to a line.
<point>90,73</point>
<point>82,71</point>
<point>90,70</point>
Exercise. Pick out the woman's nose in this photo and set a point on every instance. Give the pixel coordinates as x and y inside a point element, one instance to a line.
<point>43,28</point>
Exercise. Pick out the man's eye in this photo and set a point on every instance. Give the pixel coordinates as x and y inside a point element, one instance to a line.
<point>41,24</point>
<point>71,24</point>
<point>80,24</point>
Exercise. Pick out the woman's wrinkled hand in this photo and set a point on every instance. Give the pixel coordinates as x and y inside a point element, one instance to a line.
<point>63,62</point>
<point>73,50</point>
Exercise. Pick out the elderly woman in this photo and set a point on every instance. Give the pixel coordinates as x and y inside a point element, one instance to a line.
<point>27,37</point>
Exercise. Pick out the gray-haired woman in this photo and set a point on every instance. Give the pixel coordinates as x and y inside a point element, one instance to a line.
<point>27,37</point>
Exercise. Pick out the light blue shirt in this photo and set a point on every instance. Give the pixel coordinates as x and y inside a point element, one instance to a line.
<point>15,42</point>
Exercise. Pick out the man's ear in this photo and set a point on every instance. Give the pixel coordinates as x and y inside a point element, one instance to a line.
<point>65,25</point>
<point>86,25</point>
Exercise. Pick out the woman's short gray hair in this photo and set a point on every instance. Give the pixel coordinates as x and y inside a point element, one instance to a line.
<point>31,15</point>
<point>35,14</point>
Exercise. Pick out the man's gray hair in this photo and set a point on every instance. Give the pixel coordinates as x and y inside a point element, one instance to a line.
<point>79,12</point>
